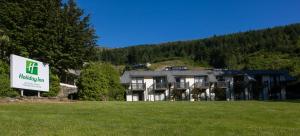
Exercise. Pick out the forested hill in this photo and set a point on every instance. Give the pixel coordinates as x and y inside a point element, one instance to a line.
<point>273,48</point>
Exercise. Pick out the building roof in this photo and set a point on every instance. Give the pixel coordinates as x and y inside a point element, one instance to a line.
<point>211,74</point>
<point>126,77</point>
<point>251,73</point>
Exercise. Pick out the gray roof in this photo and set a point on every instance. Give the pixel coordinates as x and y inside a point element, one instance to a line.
<point>74,72</point>
<point>211,74</point>
<point>126,77</point>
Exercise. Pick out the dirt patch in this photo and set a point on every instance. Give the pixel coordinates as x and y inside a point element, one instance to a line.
<point>36,100</point>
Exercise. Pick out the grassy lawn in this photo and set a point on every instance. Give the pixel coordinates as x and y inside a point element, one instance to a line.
<point>151,118</point>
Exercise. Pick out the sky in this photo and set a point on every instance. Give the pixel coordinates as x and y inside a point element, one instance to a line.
<point>122,23</point>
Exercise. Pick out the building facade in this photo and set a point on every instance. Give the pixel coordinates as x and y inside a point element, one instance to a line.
<point>179,85</point>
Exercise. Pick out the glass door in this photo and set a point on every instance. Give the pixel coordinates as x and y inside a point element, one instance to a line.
<point>160,82</point>
<point>137,83</point>
<point>180,82</point>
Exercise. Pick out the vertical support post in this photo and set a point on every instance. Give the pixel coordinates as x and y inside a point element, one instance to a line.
<point>22,92</point>
<point>231,85</point>
<point>165,95</point>
<point>227,94</point>
<point>246,94</point>
<point>39,94</point>
<point>169,95</point>
<point>131,92</point>
<point>131,95</point>
<point>153,95</point>
<point>189,96</point>
<point>209,92</point>
<point>283,93</point>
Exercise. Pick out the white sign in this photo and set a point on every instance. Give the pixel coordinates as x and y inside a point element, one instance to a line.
<point>28,74</point>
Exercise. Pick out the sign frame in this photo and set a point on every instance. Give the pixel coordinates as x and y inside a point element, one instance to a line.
<point>29,74</point>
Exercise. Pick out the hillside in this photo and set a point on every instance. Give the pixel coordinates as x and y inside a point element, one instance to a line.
<point>176,62</point>
<point>272,48</point>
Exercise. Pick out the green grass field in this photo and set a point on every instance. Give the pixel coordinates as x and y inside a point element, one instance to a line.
<point>151,118</point>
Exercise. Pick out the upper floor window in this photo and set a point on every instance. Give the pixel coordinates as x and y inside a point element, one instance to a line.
<point>160,80</point>
<point>180,80</point>
<point>220,78</point>
<point>137,80</point>
<point>200,79</point>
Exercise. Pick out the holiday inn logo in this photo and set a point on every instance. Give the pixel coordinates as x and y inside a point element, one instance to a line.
<point>31,67</point>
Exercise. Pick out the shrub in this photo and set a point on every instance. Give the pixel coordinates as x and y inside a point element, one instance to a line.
<point>196,92</point>
<point>54,86</point>
<point>92,83</point>
<point>5,90</point>
<point>99,81</point>
<point>115,90</point>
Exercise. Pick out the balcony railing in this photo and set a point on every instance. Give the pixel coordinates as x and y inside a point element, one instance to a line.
<point>240,84</point>
<point>160,86</point>
<point>201,85</point>
<point>222,84</point>
<point>138,86</point>
<point>181,85</point>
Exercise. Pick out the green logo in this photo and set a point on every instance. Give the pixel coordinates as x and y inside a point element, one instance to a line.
<point>31,67</point>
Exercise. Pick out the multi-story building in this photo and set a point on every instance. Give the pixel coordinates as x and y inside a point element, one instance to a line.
<point>190,85</point>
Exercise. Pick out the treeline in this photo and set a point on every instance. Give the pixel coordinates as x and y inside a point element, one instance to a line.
<point>274,48</point>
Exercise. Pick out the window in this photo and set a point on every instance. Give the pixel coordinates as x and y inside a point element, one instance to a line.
<point>180,82</point>
<point>200,79</point>
<point>137,83</point>
<point>160,80</point>
<point>220,78</point>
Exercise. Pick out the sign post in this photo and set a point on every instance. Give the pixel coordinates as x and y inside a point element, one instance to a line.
<point>28,74</point>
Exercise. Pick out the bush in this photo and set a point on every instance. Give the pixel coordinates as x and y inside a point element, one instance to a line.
<point>196,92</point>
<point>5,90</point>
<point>54,86</point>
<point>100,81</point>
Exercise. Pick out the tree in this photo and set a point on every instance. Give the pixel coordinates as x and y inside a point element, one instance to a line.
<point>4,42</point>
<point>280,47</point>
<point>48,30</point>
<point>76,38</point>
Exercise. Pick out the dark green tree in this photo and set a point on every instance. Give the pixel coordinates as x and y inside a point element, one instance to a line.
<point>48,30</point>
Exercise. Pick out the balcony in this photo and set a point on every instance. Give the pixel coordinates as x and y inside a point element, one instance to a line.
<point>240,84</point>
<point>160,86</point>
<point>181,85</point>
<point>222,84</point>
<point>138,86</point>
<point>201,85</point>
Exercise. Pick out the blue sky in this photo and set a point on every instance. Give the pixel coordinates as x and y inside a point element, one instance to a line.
<point>121,23</point>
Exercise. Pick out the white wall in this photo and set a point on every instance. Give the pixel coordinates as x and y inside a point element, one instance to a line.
<point>128,97</point>
<point>191,81</point>
<point>148,96</point>
<point>149,83</point>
